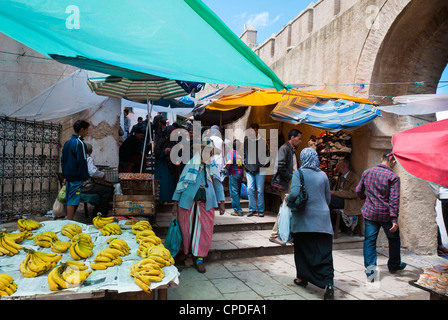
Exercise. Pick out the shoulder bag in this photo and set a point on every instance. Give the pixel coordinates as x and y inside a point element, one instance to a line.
<point>302,197</point>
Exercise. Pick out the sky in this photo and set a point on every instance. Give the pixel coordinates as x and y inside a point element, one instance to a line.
<point>269,17</point>
<point>266,16</point>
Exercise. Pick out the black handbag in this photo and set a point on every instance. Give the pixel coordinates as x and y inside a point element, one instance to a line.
<point>302,197</point>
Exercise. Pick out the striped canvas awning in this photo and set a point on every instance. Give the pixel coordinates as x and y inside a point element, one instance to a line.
<point>327,114</point>
<point>136,90</point>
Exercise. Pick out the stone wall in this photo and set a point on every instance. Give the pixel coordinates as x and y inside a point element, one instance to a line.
<point>338,45</point>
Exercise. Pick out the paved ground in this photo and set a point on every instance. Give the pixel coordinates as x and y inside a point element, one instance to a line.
<point>270,278</point>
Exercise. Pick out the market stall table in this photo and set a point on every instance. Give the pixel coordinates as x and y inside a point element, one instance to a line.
<point>112,283</point>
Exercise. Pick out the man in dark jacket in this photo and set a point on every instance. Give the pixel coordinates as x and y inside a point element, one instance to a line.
<point>74,166</point>
<point>287,163</point>
<point>252,164</point>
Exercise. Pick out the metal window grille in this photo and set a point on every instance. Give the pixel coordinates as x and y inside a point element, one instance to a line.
<point>29,161</point>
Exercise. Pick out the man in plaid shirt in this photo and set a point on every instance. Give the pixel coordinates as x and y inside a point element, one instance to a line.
<point>380,188</point>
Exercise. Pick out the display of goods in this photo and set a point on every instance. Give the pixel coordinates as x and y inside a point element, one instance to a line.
<point>59,246</point>
<point>7,285</point>
<point>120,245</point>
<point>19,236</point>
<point>81,246</point>
<point>134,176</point>
<point>435,278</point>
<point>37,263</point>
<point>105,258</point>
<point>44,239</point>
<point>67,275</point>
<point>145,272</point>
<point>8,246</point>
<point>100,221</point>
<point>27,224</point>
<point>71,229</point>
<point>110,228</point>
<point>140,226</point>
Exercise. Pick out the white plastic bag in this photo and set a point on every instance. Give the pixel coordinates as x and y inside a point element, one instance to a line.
<point>59,209</point>
<point>284,223</point>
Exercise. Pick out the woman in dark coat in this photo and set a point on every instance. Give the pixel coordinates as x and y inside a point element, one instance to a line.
<point>311,226</point>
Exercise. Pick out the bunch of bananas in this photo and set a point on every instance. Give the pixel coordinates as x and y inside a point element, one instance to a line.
<point>81,246</point>
<point>37,263</point>
<point>27,224</point>
<point>7,285</point>
<point>160,255</point>
<point>145,233</point>
<point>146,242</point>
<point>99,221</point>
<point>67,275</point>
<point>105,258</point>
<point>111,228</point>
<point>140,226</point>
<point>19,236</point>
<point>146,271</point>
<point>70,229</point>
<point>120,245</point>
<point>44,239</point>
<point>8,246</point>
<point>59,246</point>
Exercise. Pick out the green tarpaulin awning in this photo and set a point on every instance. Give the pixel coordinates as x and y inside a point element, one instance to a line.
<point>172,39</point>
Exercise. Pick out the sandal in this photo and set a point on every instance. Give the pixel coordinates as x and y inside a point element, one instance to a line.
<point>300,282</point>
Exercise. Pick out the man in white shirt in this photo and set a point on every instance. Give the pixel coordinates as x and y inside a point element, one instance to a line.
<point>104,189</point>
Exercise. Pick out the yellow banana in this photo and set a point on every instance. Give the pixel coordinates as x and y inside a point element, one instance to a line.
<point>17,237</point>
<point>24,270</point>
<point>56,277</point>
<point>71,229</point>
<point>73,253</point>
<point>36,264</point>
<point>98,266</point>
<point>52,285</point>
<point>3,251</point>
<point>48,257</point>
<point>80,252</point>
<point>27,224</point>
<point>10,245</point>
<point>59,246</point>
<point>143,278</point>
<point>151,272</point>
<point>142,285</point>
<point>76,265</point>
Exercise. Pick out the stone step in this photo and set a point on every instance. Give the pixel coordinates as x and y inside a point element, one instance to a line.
<point>246,237</point>
<point>224,223</point>
<point>255,243</point>
<point>167,207</point>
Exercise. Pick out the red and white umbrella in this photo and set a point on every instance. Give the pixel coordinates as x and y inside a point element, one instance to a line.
<point>423,151</point>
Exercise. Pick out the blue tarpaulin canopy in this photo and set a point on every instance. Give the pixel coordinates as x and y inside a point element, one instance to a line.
<point>327,114</point>
<point>151,39</point>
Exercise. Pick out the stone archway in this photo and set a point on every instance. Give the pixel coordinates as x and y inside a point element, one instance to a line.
<point>406,54</point>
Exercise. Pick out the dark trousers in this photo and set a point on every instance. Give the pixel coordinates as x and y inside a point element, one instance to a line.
<point>372,228</point>
<point>105,193</point>
<point>313,257</point>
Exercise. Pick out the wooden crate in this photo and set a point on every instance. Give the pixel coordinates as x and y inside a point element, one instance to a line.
<point>139,187</point>
<point>134,205</point>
